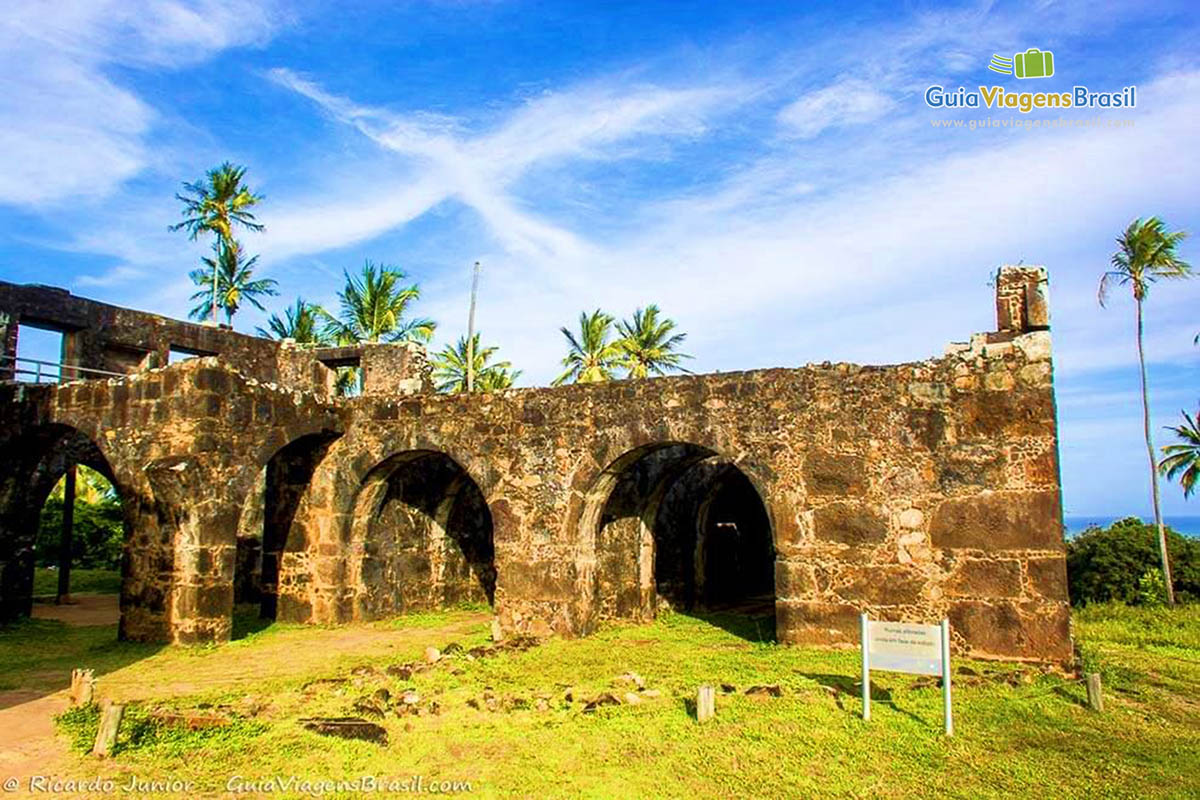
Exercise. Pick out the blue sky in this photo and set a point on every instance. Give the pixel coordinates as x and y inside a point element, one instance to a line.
<point>766,172</point>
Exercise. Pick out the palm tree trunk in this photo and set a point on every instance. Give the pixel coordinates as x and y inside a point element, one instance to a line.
<point>1158,523</point>
<point>216,266</point>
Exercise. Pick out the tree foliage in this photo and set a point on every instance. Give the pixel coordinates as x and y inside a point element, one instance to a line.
<point>235,283</point>
<point>301,322</point>
<point>1106,564</point>
<point>98,530</point>
<point>374,305</point>
<point>450,368</point>
<point>648,344</point>
<point>1182,459</point>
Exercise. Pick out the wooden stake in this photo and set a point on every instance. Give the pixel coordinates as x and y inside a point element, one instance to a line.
<point>110,725</point>
<point>706,703</point>
<point>1095,696</point>
<point>83,686</point>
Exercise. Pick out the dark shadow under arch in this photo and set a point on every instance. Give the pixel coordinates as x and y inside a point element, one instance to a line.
<point>426,537</point>
<point>36,459</point>
<point>677,526</point>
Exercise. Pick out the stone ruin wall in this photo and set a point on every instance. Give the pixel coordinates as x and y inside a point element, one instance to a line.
<point>912,491</point>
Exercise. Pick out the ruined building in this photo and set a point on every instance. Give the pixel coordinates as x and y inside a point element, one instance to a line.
<point>912,491</point>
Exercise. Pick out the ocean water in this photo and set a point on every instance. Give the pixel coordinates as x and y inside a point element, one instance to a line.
<point>1188,526</point>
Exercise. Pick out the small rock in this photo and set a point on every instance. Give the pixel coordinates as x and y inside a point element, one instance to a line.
<point>497,631</point>
<point>965,670</point>
<point>346,728</point>
<point>632,699</point>
<point>766,689</point>
<point>451,648</point>
<point>632,677</point>
<point>432,654</point>
<point>368,709</point>
<point>728,688</point>
<point>602,699</point>
<point>401,671</point>
<point>569,695</point>
<point>409,697</point>
<point>472,702</point>
<point>364,669</point>
<point>542,704</point>
<point>650,694</point>
<point>435,707</point>
<point>382,696</point>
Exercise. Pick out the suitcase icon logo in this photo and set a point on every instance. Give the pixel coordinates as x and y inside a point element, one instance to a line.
<point>1033,63</point>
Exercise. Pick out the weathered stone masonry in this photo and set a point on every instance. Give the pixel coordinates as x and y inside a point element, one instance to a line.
<point>912,491</point>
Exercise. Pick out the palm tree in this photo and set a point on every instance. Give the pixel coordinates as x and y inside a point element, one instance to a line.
<point>300,323</point>
<point>234,283</point>
<point>1183,457</point>
<point>215,205</point>
<point>373,309</point>
<point>591,357</point>
<point>648,346</point>
<point>1145,254</point>
<point>450,368</point>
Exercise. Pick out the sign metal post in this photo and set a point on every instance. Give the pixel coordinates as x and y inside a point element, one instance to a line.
<point>907,647</point>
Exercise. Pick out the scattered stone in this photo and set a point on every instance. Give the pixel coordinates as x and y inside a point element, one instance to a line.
<point>651,694</point>
<point>632,699</point>
<point>368,709</point>
<point>766,689</point>
<point>728,688</point>
<point>410,697</point>
<point>473,703</point>
<point>401,671</point>
<point>346,728</point>
<point>365,669</point>
<point>435,707</point>
<point>632,677</point>
<point>541,704</point>
<point>452,648</point>
<point>382,696</point>
<point>497,631</point>
<point>602,699</point>
<point>965,670</point>
<point>432,655</point>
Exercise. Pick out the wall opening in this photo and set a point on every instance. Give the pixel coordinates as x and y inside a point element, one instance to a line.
<point>34,504</point>
<point>40,354</point>
<point>677,526</point>
<point>265,525</point>
<point>425,534</point>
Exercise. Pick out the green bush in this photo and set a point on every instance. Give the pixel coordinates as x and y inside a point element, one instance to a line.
<point>98,533</point>
<point>1110,564</point>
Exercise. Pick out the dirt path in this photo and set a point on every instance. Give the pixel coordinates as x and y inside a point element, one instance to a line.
<point>84,609</point>
<point>29,746</point>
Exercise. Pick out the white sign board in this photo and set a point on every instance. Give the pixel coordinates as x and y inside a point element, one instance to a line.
<point>905,647</point>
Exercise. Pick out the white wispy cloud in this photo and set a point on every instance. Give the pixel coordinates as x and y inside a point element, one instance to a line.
<point>850,101</point>
<point>68,129</point>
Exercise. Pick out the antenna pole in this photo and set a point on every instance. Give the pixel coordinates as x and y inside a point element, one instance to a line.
<point>471,331</point>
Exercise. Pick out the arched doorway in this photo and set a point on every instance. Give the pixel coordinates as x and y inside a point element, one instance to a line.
<point>421,535</point>
<point>266,521</point>
<point>62,511</point>
<point>678,526</point>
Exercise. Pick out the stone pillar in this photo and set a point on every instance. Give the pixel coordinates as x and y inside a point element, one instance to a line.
<point>1022,299</point>
<point>8,345</point>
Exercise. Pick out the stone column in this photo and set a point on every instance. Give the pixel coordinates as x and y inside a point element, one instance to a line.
<point>8,345</point>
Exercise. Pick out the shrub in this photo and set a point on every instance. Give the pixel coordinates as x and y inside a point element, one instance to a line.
<point>1107,564</point>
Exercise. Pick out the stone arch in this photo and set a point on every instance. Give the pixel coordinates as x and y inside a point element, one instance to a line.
<point>37,457</point>
<point>420,536</point>
<point>270,506</point>
<point>646,527</point>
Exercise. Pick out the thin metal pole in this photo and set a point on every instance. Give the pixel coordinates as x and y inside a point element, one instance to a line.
<point>949,715</point>
<point>866,667</point>
<point>471,331</point>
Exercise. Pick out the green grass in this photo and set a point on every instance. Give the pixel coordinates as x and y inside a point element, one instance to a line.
<point>83,581</point>
<point>1020,732</point>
